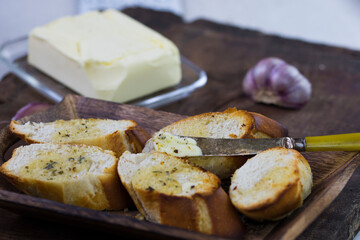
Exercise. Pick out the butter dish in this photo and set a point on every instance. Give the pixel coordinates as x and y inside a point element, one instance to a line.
<point>13,54</point>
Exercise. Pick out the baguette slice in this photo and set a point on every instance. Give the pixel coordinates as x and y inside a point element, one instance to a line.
<point>80,175</point>
<point>231,123</point>
<point>168,190</point>
<point>115,135</point>
<point>271,184</point>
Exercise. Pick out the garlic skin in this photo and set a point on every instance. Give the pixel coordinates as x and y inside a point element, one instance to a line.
<point>273,81</point>
<point>30,109</point>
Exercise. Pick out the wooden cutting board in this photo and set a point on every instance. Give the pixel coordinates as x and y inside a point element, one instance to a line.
<point>331,172</point>
<point>226,53</point>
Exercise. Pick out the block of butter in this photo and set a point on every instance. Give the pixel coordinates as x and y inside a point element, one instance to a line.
<point>105,55</point>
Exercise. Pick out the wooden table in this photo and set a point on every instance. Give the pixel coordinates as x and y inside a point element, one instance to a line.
<point>226,53</point>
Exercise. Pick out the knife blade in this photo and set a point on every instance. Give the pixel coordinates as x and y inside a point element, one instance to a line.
<point>236,147</point>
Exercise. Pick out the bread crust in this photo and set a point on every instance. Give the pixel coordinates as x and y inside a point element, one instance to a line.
<point>233,226</point>
<point>267,126</point>
<point>285,200</point>
<point>118,141</point>
<point>109,193</point>
<point>216,216</point>
<point>209,211</point>
<point>116,194</point>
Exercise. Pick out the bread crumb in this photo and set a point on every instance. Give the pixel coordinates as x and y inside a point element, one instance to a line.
<point>139,216</point>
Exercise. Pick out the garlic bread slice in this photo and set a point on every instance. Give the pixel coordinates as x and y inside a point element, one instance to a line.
<point>115,135</point>
<point>80,175</point>
<point>170,191</point>
<point>271,184</point>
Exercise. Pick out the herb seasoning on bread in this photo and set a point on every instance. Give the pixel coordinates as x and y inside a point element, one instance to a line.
<point>79,175</point>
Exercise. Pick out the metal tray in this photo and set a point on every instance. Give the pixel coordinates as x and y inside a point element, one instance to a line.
<point>14,55</point>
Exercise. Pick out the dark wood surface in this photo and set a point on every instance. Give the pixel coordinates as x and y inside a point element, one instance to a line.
<point>331,172</point>
<point>226,53</point>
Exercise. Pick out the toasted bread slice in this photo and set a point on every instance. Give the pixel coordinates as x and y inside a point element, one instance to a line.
<point>80,175</point>
<point>271,184</point>
<point>168,190</point>
<point>115,135</point>
<point>231,123</point>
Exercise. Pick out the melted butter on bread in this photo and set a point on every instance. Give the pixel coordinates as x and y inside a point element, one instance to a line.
<point>57,166</point>
<point>175,145</point>
<point>170,191</point>
<point>74,174</point>
<point>74,130</point>
<point>114,135</point>
<point>176,179</point>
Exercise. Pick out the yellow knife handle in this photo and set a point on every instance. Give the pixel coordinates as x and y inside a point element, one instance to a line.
<point>341,142</point>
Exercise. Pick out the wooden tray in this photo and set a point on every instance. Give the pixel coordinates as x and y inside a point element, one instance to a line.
<point>331,172</point>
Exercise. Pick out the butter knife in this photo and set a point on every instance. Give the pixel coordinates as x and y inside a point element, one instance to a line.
<point>236,147</point>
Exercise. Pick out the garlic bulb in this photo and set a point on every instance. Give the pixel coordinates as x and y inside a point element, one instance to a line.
<point>273,81</point>
<point>29,109</point>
